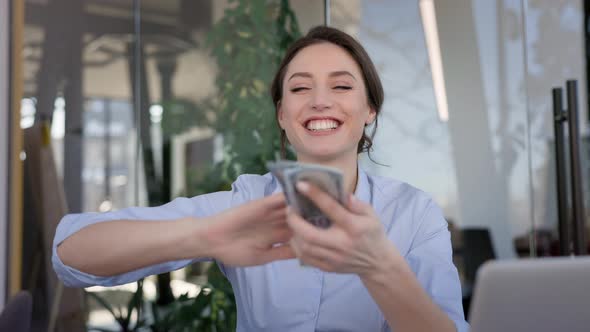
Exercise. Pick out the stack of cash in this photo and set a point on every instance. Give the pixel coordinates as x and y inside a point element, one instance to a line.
<point>328,179</point>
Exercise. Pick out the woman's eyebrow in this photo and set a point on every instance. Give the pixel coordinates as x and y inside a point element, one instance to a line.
<point>341,73</point>
<point>332,74</point>
<point>300,74</point>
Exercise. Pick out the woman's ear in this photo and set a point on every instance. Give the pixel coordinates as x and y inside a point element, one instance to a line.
<point>280,115</point>
<point>371,117</point>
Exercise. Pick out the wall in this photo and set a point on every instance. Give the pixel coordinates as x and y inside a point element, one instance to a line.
<point>451,160</point>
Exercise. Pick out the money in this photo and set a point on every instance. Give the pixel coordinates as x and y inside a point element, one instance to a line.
<point>278,168</point>
<point>328,179</point>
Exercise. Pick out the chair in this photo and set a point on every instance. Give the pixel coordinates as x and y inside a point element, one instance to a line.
<point>477,249</point>
<point>16,316</point>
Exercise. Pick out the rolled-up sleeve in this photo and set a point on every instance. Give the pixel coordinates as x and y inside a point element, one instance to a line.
<point>199,206</point>
<point>431,259</point>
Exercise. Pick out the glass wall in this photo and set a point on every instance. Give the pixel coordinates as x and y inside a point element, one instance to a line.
<point>145,101</point>
<point>488,161</point>
<point>77,96</point>
<point>482,142</point>
<point>556,53</point>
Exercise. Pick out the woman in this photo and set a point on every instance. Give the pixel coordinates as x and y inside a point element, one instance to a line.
<point>385,264</point>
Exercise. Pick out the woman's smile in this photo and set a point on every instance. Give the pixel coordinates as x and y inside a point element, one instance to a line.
<point>322,126</point>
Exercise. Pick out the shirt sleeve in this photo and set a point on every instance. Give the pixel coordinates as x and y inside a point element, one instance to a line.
<point>431,258</point>
<point>199,206</point>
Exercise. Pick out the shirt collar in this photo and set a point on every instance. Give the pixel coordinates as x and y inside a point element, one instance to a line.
<point>362,190</point>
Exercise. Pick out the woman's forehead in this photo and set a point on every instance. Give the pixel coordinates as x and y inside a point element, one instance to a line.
<point>323,59</point>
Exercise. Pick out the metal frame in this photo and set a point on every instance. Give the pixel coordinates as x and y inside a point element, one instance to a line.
<point>4,142</point>
<point>559,117</point>
<point>572,230</point>
<point>579,228</point>
<point>15,143</point>
<point>327,12</point>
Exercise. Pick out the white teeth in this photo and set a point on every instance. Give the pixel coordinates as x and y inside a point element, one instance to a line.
<point>324,124</point>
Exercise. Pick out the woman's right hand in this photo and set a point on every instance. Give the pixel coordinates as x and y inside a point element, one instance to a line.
<point>253,233</point>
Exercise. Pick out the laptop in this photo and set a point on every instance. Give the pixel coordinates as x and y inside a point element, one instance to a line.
<point>540,295</point>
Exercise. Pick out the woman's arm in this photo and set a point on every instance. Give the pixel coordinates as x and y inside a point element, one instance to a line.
<point>401,298</point>
<point>423,296</point>
<point>117,251</point>
<point>119,246</point>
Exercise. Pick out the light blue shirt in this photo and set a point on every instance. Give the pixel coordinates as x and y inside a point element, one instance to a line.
<point>283,295</point>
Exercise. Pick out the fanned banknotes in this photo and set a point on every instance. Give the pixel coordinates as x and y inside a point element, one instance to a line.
<point>328,179</point>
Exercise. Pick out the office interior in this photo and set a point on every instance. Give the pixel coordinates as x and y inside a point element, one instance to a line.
<point>106,104</point>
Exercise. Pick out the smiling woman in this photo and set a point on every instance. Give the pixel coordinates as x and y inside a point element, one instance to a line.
<point>344,56</point>
<point>324,102</point>
<point>385,263</point>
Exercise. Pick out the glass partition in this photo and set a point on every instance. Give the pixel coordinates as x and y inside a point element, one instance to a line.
<point>469,152</point>
<point>556,53</point>
<point>77,103</point>
<point>145,101</point>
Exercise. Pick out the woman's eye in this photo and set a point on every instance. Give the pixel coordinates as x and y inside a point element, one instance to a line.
<point>298,89</point>
<point>343,87</point>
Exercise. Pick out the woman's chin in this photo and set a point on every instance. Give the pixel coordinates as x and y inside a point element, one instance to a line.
<point>321,154</point>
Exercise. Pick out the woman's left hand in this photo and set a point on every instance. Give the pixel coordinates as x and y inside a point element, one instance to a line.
<point>355,242</point>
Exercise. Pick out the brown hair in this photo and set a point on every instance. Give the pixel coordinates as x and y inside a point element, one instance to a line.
<point>324,34</point>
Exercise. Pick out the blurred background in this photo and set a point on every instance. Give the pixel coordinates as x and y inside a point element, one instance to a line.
<point>117,103</point>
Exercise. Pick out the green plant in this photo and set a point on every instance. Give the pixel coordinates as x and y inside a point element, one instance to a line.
<point>123,314</point>
<point>214,309</point>
<point>247,45</point>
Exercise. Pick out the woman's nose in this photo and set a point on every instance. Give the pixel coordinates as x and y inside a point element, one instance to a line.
<point>321,100</point>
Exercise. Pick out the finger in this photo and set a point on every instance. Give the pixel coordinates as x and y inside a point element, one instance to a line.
<point>357,206</point>
<point>276,215</point>
<point>277,199</point>
<point>309,233</point>
<point>274,201</point>
<point>257,210</point>
<point>261,217</point>
<point>285,234</point>
<point>295,244</point>
<point>329,206</point>
<point>277,253</point>
<point>280,234</point>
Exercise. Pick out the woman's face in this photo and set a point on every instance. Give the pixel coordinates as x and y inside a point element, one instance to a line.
<point>324,107</point>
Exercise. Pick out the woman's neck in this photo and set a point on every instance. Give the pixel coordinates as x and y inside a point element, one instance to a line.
<point>348,165</point>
